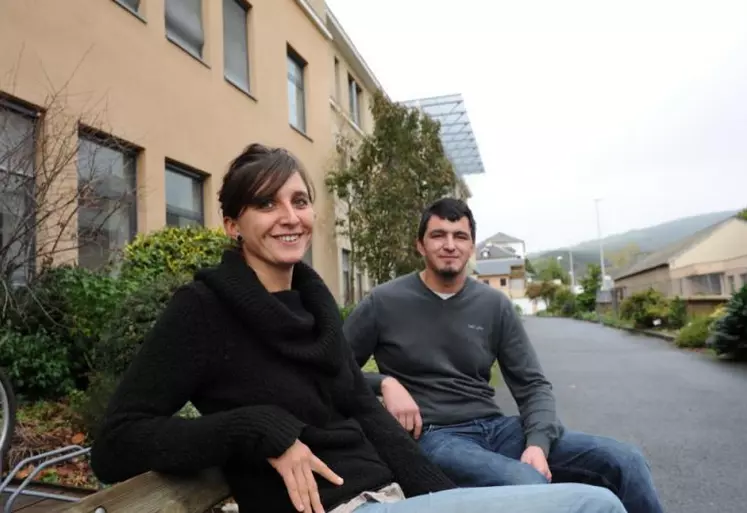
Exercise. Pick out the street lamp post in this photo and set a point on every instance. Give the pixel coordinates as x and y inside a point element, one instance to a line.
<point>601,245</point>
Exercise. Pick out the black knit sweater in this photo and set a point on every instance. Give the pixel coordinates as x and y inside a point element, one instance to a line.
<point>264,370</point>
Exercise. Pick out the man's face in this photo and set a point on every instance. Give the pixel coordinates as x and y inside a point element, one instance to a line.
<point>447,246</point>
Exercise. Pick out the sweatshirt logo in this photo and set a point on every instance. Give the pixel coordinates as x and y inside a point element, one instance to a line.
<point>475,327</point>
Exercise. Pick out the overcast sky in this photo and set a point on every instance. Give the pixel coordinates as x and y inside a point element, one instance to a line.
<point>642,103</point>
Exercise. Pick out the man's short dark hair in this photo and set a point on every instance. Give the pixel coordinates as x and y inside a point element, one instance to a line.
<point>451,209</point>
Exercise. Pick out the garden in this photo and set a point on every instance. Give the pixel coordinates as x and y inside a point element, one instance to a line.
<point>67,337</point>
<point>724,331</point>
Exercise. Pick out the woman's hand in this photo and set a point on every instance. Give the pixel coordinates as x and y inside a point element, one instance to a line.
<point>296,466</point>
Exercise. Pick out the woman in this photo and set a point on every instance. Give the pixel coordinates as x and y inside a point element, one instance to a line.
<point>256,344</point>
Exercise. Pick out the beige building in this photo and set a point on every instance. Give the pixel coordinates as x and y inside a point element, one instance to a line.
<point>141,105</point>
<point>710,264</point>
<point>160,95</point>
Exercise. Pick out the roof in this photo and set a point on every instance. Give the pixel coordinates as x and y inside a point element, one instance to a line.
<point>350,53</point>
<point>662,257</point>
<point>493,267</point>
<point>457,138</point>
<point>499,238</point>
<point>494,252</point>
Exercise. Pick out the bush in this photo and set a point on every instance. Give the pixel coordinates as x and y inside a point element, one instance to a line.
<point>644,308</point>
<point>37,363</point>
<point>70,305</point>
<point>564,303</point>
<point>173,250</point>
<point>730,330</point>
<point>121,341</point>
<point>694,334</point>
<point>677,313</point>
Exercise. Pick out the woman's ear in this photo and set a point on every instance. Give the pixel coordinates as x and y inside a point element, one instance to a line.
<point>231,227</point>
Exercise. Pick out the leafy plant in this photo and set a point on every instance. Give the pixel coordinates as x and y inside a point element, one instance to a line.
<point>644,308</point>
<point>730,330</point>
<point>591,283</point>
<point>695,333</point>
<point>677,313</point>
<point>37,363</point>
<point>564,303</point>
<point>173,250</point>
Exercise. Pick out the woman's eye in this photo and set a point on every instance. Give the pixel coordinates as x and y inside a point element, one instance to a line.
<point>302,202</point>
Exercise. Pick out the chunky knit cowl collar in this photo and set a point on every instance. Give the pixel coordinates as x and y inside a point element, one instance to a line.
<point>314,339</point>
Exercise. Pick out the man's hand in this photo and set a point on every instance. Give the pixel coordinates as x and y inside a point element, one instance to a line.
<point>535,457</point>
<point>400,403</point>
<point>295,466</point>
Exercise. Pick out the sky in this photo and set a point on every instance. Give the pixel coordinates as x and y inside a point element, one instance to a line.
<point>641,104</point>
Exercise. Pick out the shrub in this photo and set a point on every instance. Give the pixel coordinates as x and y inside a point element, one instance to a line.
<point>564,303</point>
<point>173,250</point>
<point>644,308</point>
<point>694,334</point>
<point>134,318</point>
<point>677,313</point>
<point>517,308</point>
<point>121,341</point>
<point>37,363</point>
<point>72,306</point>
<point>730,330</point>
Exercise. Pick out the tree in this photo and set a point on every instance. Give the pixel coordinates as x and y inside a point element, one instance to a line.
<point>529,267</point>
<point>743,215</point>
<point>59,191</point>
<point>550,269</point>
<point>591,284</point>
<point>544,290</point>
<point>384,182</point>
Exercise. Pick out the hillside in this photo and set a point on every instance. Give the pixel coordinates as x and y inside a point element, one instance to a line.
<point>623,249</point>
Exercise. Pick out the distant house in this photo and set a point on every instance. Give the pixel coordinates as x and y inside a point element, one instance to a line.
<point>500,245</point>
<point>505,274</point>
<point>710,263</point>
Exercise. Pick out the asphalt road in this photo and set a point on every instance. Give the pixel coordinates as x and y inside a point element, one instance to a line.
<point>686,411</point>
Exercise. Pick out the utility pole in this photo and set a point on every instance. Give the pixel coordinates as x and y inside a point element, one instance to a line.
<point>573,272</point>
<point>601,245</point>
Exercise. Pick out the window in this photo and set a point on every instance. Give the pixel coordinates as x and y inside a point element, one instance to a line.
<point>130,5</point>
<point>705,285</point>
<point>503,282</point>
<point>184,25</point>
<point>184,205</point>
<point>732,285</point>
<point>296,98</point>
<point>346,282</point>
<point>236,43</point>
<point>354,92</point>
<point>17,140</point>
<point>744,279</point>
<point>337,79</point>
<point>107,200</point>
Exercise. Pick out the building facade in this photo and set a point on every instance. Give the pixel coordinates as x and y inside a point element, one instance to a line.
<point>160,95</point>
<point>143,104</point>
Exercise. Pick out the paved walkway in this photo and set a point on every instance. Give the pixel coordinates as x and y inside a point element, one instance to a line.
<point>687,411</point>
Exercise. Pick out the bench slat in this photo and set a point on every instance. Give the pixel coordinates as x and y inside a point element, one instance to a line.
<point>156,493</point>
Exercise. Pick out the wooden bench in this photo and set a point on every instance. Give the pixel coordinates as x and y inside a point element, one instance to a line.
<point>156,493</point>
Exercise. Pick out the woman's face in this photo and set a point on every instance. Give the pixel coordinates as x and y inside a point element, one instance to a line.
<point>278,232</point>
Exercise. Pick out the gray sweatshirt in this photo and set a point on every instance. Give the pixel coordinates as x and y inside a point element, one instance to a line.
<point>441,351</point>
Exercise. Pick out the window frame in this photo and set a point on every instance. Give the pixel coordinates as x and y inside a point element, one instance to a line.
<point>191,173</point>
<point>246,7</point>
<point>25,272</point>
<point>130,154</point>
<point>295,58</point>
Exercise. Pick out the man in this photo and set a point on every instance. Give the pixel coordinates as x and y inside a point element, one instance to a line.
<point>435,335</point>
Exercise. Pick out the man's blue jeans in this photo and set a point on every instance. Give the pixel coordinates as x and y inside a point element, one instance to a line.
<point>487,452</point>
<point>563,498</point>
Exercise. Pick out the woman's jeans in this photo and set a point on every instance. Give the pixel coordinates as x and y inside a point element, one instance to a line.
<point>557,498</point>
